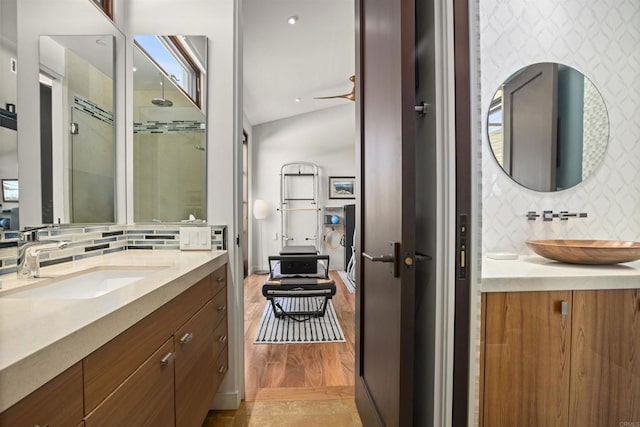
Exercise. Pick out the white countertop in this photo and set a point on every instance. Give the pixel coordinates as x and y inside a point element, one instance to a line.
<point>40,338</point>
<point>535,273</point>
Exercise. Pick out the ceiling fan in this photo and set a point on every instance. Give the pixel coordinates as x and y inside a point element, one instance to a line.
<point>351,96</point>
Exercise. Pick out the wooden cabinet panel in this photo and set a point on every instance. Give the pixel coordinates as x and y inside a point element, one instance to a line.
<point>605,366</point>
<point>193,366</point>
<point>57,403</point>
<point>144,399</point>
<point>220,368</point>
<point>220,306</point>
<point>526,376</point>
<point>220,338</point>
<point>218,280</point>
<point>111,364</point>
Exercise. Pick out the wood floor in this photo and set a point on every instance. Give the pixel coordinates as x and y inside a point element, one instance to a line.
<point>284,372</point>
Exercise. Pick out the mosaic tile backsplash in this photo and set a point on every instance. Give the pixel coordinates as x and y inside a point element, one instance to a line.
<point>97,240</point>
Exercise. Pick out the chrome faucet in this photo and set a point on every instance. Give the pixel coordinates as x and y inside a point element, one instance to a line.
<point>29,249</point>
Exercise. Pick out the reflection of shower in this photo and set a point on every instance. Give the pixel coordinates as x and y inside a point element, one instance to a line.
<point>162,101</point>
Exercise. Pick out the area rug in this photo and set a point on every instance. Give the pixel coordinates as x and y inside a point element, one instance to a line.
<point>284,330</point>
<point>348,283</point>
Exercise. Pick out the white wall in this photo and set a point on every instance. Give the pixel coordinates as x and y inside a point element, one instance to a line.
<point>600,40</point>
<point>326,138</point>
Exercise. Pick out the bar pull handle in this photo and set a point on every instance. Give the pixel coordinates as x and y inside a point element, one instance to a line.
<point>222,339</point>
<point>186,338</point>
<point>393,258</point>
<point>220,279</point>
<point>222,369</point>
<point>222,307</point>
<point>564,307</point>
<point>167,358</point>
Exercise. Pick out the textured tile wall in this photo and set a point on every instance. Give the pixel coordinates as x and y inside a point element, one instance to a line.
<point>91,241</point>
<point>601,40</point>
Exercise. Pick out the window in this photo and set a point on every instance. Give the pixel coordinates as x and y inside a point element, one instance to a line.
<point>173,56</point>
<point>106,6</point>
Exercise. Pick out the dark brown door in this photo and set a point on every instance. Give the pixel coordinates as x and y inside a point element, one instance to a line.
<point>530,126</point>
<point>386,218</point>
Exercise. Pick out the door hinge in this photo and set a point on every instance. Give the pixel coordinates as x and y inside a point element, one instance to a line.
<point>238,240</point>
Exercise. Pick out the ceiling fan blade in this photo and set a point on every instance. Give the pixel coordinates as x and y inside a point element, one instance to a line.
<point>351,96</point>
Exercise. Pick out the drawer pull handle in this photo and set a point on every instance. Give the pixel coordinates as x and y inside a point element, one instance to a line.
<point>222,307</point>
<point>186,338</point>
<point>220,279</point>
<point>167,358</point>
<point>222,369</point>
<point>564,308</point>
<point>222,339</point>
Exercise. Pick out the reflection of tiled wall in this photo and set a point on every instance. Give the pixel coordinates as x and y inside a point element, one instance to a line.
<point>600,39</point>
<point>155,126</point>
<point>91,241</point>
<point>595,129</point>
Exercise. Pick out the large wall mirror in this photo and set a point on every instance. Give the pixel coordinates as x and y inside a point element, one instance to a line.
<point>169,141</point>
<point>77,128</point>
<point>8,113</point>
<point>548,127</point>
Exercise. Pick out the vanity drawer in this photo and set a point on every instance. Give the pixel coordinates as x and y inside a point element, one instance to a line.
<point>111,364</point>
<point>218,280</point>
<point>220,368</point>
<point>220,306</point>
<point>220,337</point>
<point>58,402</point>
<point>145,398</point>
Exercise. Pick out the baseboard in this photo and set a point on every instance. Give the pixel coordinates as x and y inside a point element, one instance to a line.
<point>226,401</point>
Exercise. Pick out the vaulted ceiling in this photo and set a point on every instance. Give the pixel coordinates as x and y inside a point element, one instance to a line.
<point>284,62</point>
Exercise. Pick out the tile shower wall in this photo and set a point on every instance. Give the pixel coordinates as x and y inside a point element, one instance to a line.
<point>100,240</point>
<point>600,39</point>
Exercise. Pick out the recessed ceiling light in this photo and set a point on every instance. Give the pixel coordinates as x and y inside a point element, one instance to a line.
<point>292,19</point>
<point>135,69</point>
<point>298,99</point>
<point>101,42</point>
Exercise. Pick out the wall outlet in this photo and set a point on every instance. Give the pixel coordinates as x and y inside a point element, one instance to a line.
<point>195,238</point>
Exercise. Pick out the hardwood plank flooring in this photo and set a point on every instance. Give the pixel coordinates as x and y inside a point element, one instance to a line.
<point>298,371</point>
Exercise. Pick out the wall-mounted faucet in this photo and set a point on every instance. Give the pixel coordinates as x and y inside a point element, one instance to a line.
<point>29,249</point>
<point>550,215</point>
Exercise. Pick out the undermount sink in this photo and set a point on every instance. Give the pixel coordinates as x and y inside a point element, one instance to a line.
<point>88,284</point>
<point>587,251</point>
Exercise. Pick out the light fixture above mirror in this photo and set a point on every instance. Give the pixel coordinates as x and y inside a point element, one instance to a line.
<point>548,127</point>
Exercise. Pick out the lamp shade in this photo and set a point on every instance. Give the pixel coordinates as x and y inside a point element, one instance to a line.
<point>260,209</point>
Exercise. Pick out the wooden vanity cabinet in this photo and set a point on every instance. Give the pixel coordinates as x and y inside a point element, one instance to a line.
<point>162,371</point>
<point>526,359</point>
<point>145,398</point>
<point>57,403</point>
<point>605,365</point>
<point>569,358</point>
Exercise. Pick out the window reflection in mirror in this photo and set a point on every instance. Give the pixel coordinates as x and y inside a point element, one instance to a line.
<point>169,141</point>
<point>77,128</point>
<point>548,127</point>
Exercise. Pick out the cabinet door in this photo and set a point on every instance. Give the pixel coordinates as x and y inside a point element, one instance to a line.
<point>143,399</point>
<point>194,366</point>
<point>526,376</point>
<point>605,358</point>
<point>57,403</point>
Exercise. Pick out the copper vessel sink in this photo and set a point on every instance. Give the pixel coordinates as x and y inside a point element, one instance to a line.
<point>587,251</point>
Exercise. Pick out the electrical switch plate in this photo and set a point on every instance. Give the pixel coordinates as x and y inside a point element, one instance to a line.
<point>195,238</point>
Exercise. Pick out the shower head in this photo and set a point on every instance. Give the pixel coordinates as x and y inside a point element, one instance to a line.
<point>162,101</point>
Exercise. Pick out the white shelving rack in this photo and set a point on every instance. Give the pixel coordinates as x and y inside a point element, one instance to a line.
<point>299,204</point>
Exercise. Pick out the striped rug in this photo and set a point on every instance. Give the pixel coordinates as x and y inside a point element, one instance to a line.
<point>285,330</point>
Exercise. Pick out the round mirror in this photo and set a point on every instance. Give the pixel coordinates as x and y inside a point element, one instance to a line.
<point>548,127</point>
